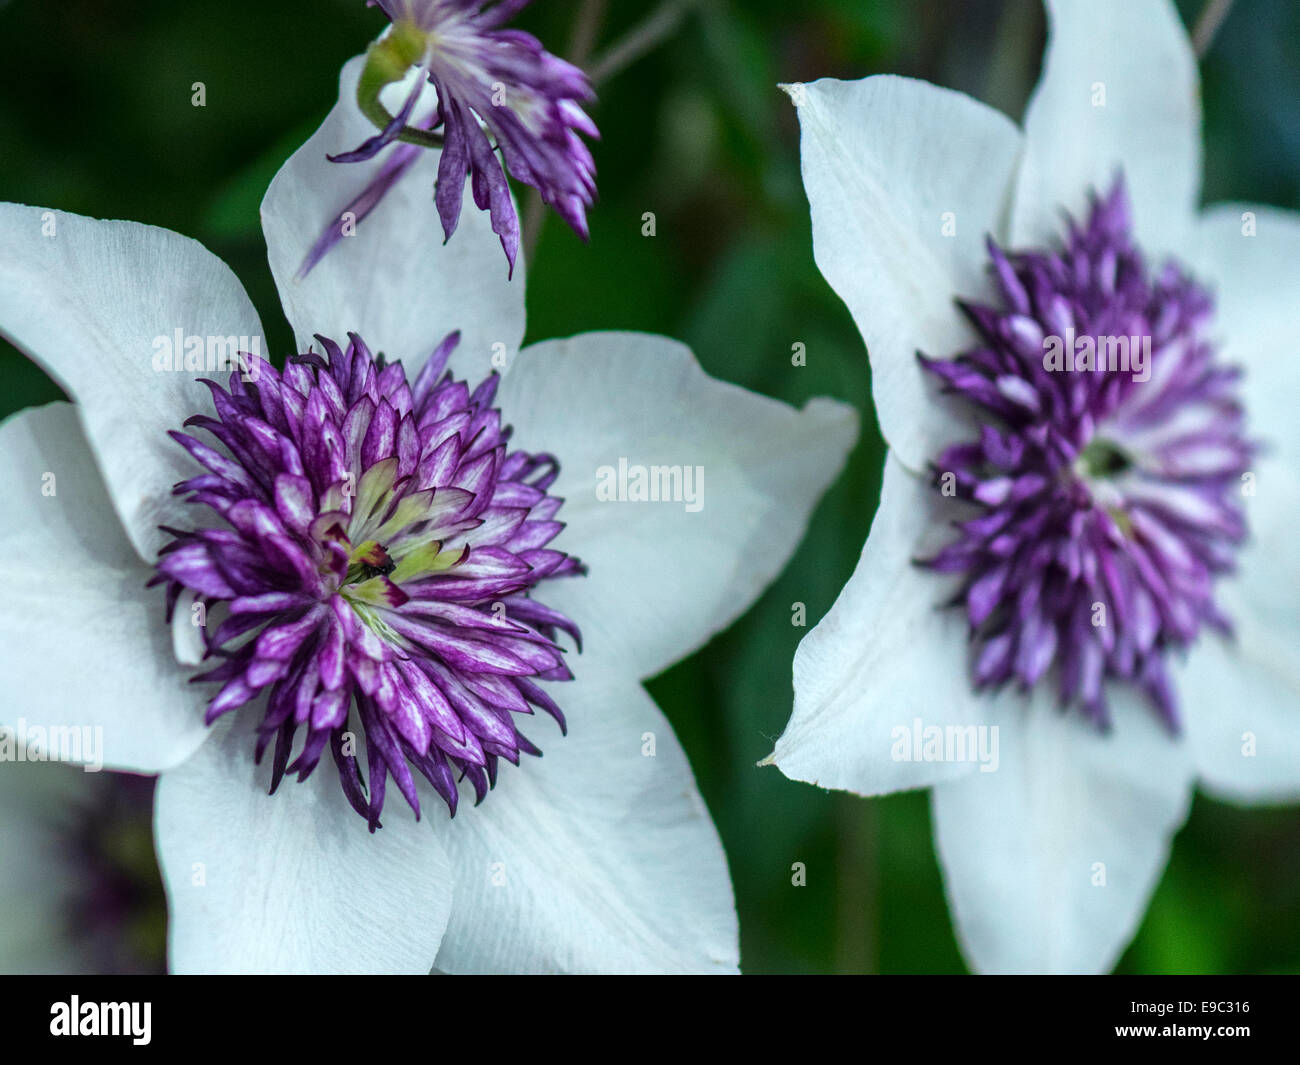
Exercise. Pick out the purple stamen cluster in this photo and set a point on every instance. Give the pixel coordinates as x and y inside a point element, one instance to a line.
<point>1108,504</point>
<point>498,89</point>
<point>377,546</point>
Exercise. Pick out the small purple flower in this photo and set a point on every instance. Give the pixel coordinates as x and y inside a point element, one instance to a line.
<point>117,913</point>
<point>1108,489</point>
<point>82,890</point>
<point>379,544</point>
<point>497,89</point>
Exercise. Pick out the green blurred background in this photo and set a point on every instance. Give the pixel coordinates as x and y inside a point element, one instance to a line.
<point>96,118</point>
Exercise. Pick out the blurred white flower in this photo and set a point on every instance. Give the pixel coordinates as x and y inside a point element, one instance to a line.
<point>1074,492</point>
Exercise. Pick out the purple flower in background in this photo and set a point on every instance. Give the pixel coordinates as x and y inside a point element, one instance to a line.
<point>1108,480</point>
<point>494,90</point>
<point>77,871</point>
<point>1077,598</point>
<point>370,569</point>
<point>378,547</point>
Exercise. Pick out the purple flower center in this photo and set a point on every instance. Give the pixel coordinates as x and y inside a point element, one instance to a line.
<point>377,546</point>
<point>1108,477</point>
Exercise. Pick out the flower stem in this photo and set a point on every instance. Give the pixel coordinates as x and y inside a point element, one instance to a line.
<point>857,885</point>
<point>642,38</point>
<point>639,40</point>
<point>1207,25</point>
<point>586,28</point>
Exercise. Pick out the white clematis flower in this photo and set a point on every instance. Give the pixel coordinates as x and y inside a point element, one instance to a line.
<point>383,543</point>
<point>1117,534</point>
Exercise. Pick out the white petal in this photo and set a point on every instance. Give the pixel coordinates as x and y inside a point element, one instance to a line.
<point>394,282</point>
<point>292,882</point>
<point>887,654</point>
<point>96,303</point>
<point>666,576</point>
<point>1250,256</point>
<point>1241,697</point>
<point>1119,89</point>
<point>597,857</point>
<point>84,646</point>
<point>1242,710</point>
<point>1050,861</point>
<point>38,879</point>
<point>890,166</point>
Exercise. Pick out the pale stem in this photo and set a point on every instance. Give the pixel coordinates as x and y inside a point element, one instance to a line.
<point>586,28</point>
<point>1207,25</point>
<point>640,40</point>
